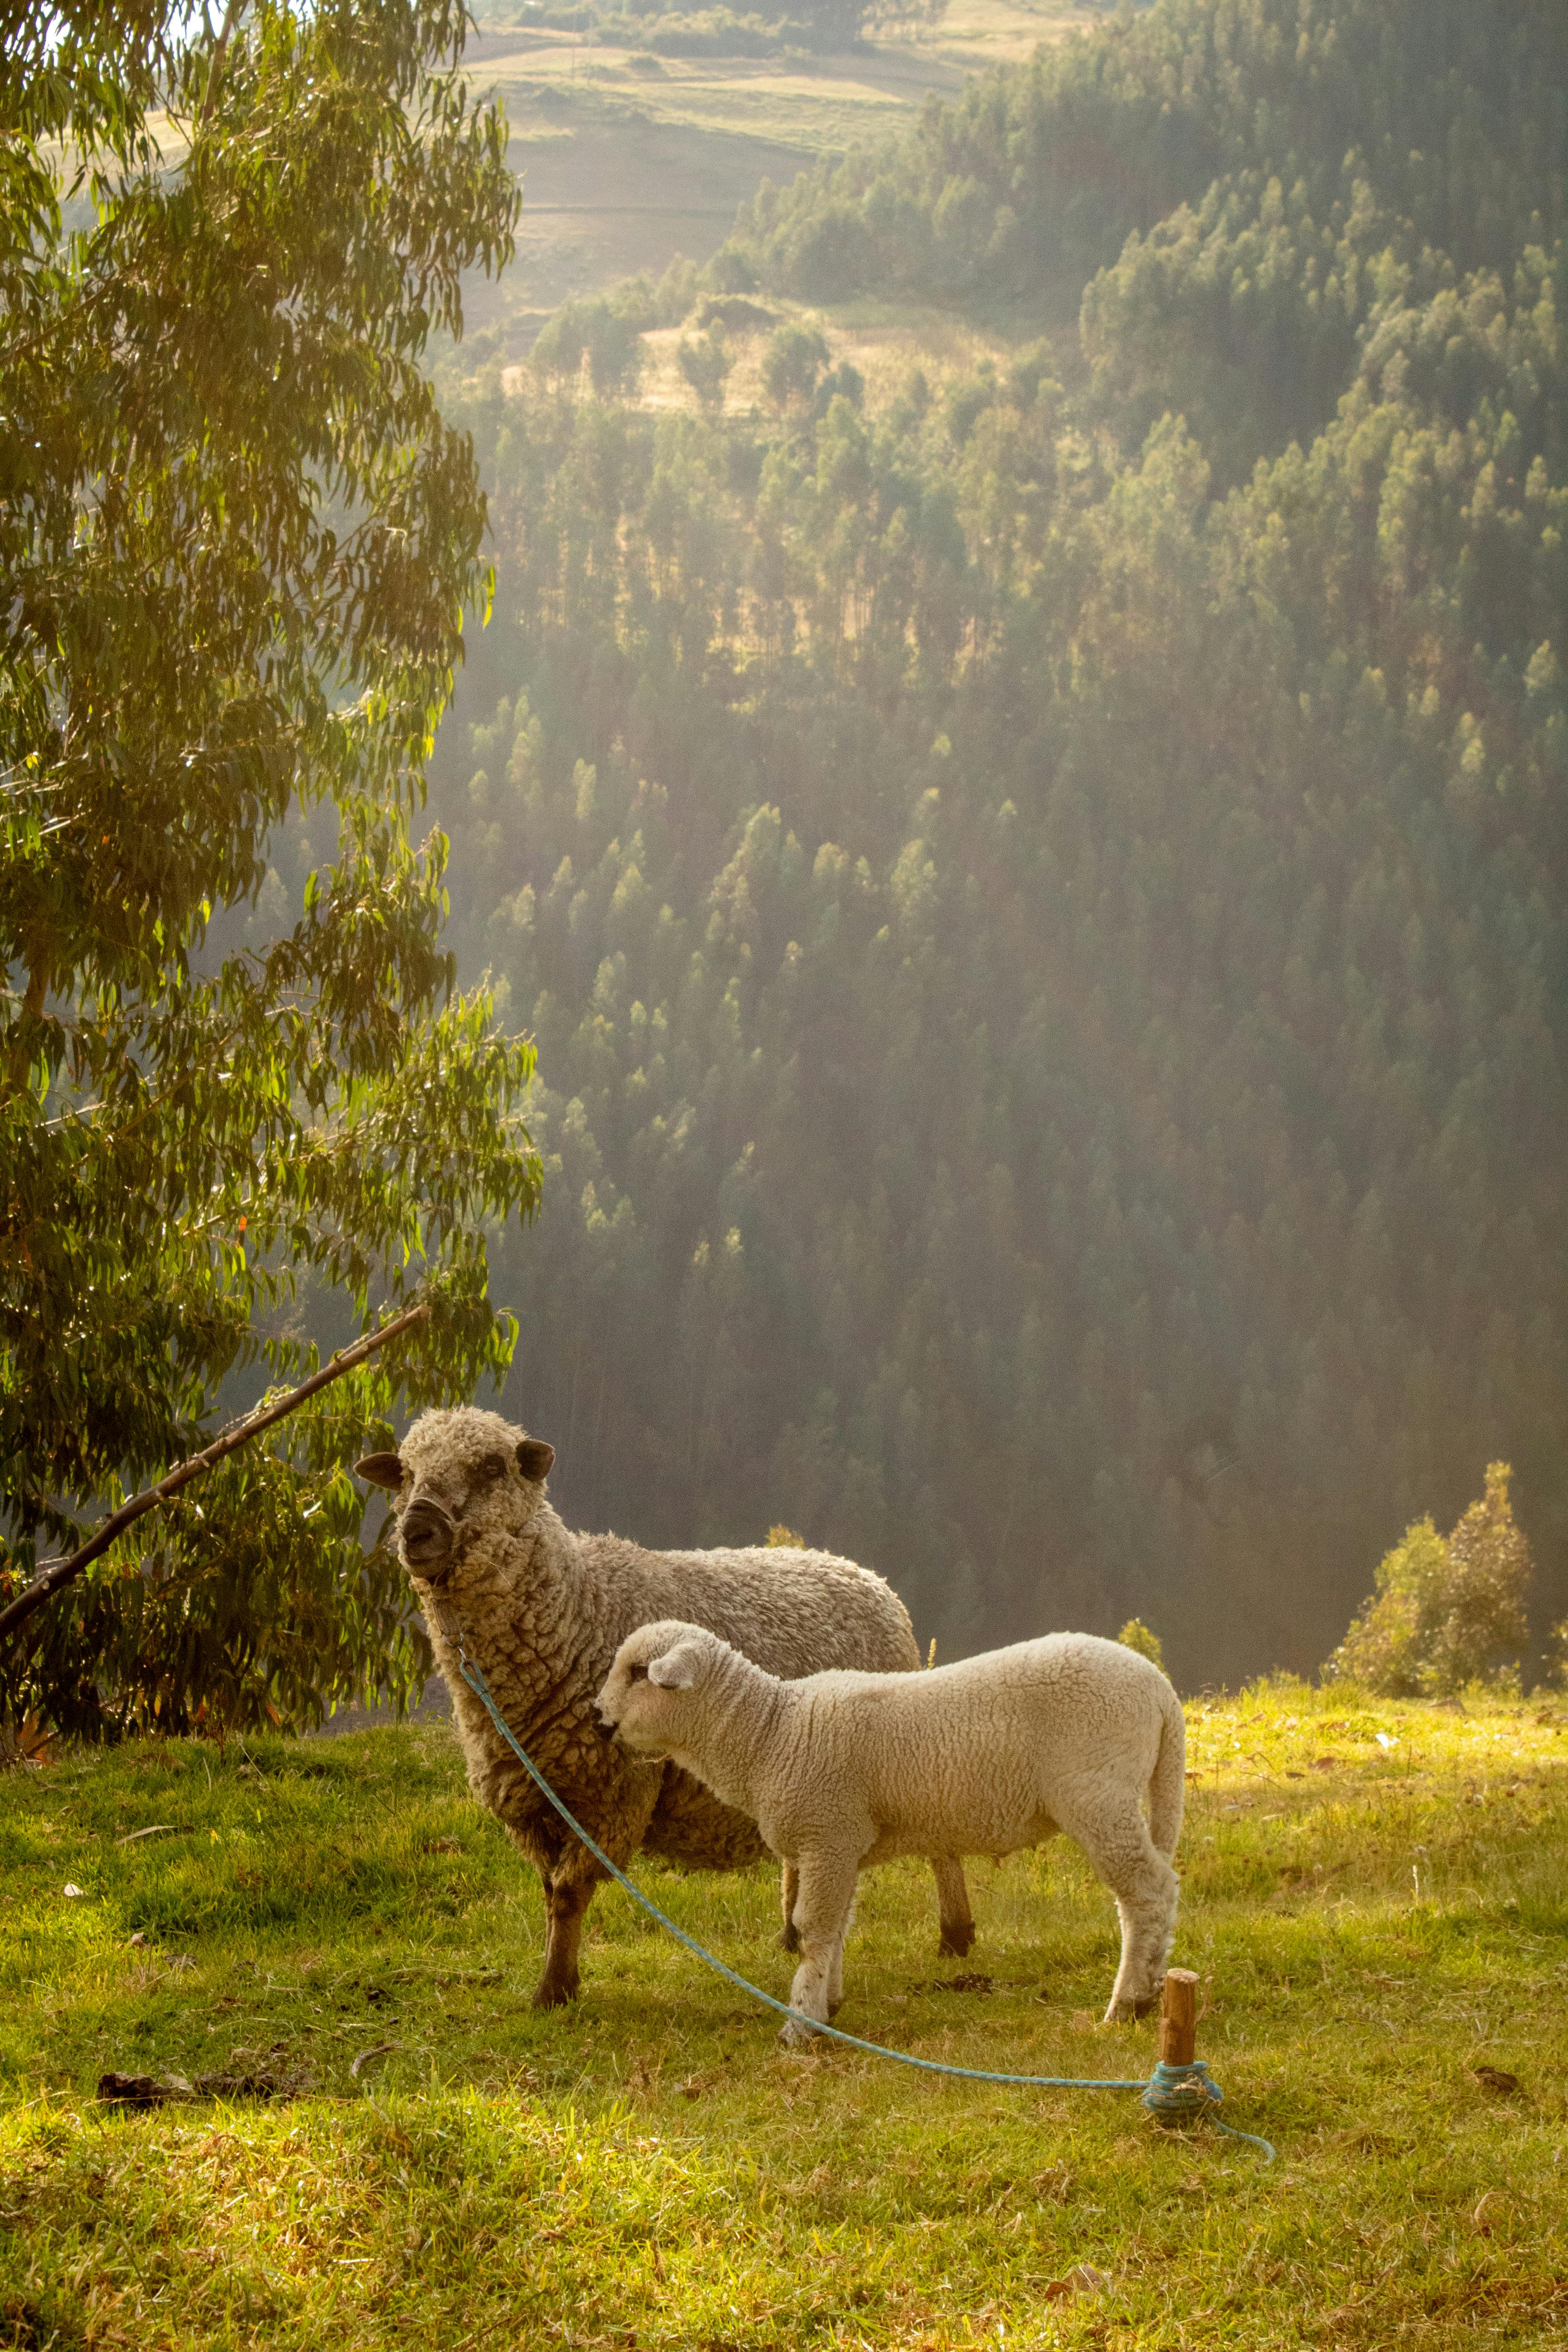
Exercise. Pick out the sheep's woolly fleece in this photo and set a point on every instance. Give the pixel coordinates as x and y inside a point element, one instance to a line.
<point>842,1769</point>
<point>543,1611</point>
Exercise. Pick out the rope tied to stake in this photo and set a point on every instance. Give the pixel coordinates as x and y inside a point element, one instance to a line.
<point>1172,2093</point>
<point>1185,2091</point>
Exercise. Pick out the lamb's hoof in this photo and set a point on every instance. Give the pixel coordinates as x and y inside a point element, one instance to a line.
<point>1120,2012</point>
<point>957,1938</point>
<point>1145,2008</point>
<point>793,2035</point>
<point>788,1938</point>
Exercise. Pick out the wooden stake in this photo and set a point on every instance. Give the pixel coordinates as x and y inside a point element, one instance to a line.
<point>1179,2018</point>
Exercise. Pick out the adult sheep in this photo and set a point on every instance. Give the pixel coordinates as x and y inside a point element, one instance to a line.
<point>542,1611</point>
<point>1000,1751</point>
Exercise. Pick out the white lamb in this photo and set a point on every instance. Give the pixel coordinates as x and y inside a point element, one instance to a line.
<point>1000,1751</point>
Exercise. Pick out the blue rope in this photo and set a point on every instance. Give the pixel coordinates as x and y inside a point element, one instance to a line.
<point>1171,2090</point>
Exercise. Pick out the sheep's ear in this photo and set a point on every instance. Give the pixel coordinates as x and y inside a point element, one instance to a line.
<point>381,1470</point>
<point>535,1459</point>
<point>677,1670</point>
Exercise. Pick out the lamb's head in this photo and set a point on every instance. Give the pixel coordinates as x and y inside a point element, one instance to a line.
<point>652,1693</point>
<point>457,1475</point>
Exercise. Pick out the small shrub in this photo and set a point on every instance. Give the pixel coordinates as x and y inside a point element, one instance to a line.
<point>736,313</point>
<point>781,1539</point>
<point>795,360</point>
<point>1136,1635</point>
<point>706,365</point>
<point>843,383</point>
<point>1446,1610</point>
<point>604,334</point>
<point>1557,1655</point>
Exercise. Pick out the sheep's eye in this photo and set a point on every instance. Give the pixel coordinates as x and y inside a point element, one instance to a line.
<point>492,1467</point>
<point>636,1674</point>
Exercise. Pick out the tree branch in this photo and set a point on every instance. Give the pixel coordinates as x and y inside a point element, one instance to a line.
<point>58,1573</point>
<point>232,16</point>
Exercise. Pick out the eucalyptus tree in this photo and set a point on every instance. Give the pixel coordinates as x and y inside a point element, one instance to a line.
<point>239,542</point>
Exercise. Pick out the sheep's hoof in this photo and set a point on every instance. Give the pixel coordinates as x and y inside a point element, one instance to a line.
<point>795,2036</point>
<point>957,1937</point>
<point>1150,2001</point>
<point>788,1938</point>
<point>549,1994</point>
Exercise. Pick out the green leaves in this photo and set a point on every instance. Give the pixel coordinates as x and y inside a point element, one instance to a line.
<point>1447,1614</point>
<point>239,540</point>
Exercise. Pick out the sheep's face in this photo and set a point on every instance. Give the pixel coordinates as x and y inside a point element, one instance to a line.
<point>457,1475</point>
<point>651,1692</point>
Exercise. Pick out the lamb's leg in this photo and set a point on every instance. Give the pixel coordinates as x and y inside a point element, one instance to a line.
<point>952,1898</point>
<point>836,1966</point>
<point>567,1895</point>
<point>822,1914</point>
<point>789,1934</point>
<point>1148,1930</point>
<point>1113,1835</point>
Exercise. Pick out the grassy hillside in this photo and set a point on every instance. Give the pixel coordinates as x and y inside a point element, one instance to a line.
<point>1375,1896</point>
<point>627,159</point>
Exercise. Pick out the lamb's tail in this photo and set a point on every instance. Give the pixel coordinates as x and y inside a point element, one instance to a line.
<point>1168,1781</point>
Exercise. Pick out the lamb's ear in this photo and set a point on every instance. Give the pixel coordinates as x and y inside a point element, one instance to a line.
<point>677,1670</point>
<point>535,1459</point>
<point>381,1470</point>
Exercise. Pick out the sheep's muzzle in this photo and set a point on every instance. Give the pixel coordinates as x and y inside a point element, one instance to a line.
<point>427,1536</point>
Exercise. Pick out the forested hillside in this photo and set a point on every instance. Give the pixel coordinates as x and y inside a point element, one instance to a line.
<point>1042,896</point>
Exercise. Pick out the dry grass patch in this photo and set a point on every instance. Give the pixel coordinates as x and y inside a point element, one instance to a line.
<point>885,342</point>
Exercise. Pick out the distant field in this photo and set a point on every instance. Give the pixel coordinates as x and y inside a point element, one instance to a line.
<point>605,195</point>
<point>1375,1896</point>
<point>627,161</point>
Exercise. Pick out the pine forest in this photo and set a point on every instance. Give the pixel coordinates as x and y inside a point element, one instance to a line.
<point>1039,886</point>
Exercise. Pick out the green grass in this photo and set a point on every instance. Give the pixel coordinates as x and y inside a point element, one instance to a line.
<point>650,2169</point>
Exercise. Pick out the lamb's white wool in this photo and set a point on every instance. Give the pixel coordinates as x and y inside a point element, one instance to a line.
<point>841,1769</point>
<point>541,1610</point>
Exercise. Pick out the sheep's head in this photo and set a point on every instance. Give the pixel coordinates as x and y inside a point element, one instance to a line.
<point>458,1473</point>
<point>652,1691</point>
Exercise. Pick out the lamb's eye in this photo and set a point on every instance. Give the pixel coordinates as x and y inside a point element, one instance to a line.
<point>492,1467</point>
<point>636,1674</point>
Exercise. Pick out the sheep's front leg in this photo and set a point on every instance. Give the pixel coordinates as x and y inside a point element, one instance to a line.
<point>567,1895</point>
<point>952,1900</point>
<point>822,1913</point>
<point>789,1934</point>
